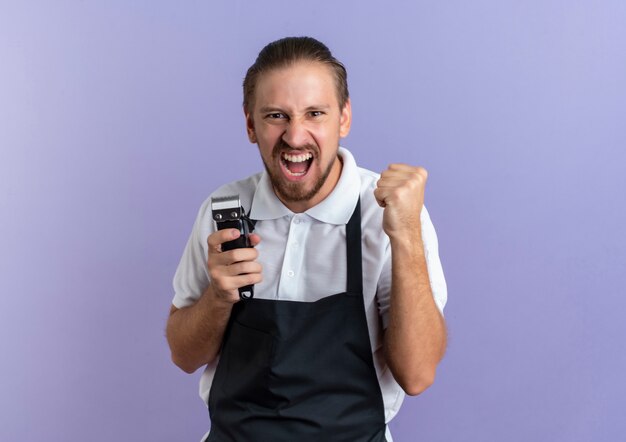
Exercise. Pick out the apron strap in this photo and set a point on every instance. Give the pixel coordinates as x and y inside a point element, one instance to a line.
<point>353,248</point>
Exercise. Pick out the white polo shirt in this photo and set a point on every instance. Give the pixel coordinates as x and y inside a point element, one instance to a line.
<point>304,256</point>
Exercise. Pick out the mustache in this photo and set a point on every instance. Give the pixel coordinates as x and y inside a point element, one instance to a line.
<point>281,145</point>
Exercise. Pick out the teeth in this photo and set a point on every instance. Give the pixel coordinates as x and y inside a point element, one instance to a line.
<point>297,158</point>
<point>294,173</point>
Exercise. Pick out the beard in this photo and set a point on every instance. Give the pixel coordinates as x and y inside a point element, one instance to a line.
<point>294,192</point>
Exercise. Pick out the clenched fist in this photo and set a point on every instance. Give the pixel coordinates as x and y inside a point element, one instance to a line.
<point>400,190</point>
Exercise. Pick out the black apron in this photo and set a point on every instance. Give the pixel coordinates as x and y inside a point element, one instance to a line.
<point>300,371</point>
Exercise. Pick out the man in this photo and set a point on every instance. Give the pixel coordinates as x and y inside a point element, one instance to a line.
<point>345,318</point>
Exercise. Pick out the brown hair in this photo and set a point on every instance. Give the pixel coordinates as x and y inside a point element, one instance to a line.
<point>288,50</point>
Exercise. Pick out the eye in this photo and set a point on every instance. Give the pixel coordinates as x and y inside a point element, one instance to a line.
<point>276,116</point>
<point>316,113</point>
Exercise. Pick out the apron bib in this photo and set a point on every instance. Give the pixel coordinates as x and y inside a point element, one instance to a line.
<point>300,371</point>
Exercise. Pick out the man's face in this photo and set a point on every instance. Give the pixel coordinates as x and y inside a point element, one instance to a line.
<point>297,123</point>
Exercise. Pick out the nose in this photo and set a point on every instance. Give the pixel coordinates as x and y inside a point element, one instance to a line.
<point>296,134</point>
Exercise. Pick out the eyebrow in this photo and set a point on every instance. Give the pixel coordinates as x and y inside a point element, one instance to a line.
<point>322,107</point>
<point>269,109</point>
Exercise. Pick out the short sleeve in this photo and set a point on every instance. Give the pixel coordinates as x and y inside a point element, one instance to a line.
<point>435,271</point>
<point>192,278</point>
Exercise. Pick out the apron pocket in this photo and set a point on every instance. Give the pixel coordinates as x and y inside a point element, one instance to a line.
<point>247,357</point>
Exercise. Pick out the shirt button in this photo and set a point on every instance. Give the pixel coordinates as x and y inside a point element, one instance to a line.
<point>296,220</point>
<point>290,273</point>
<point>294,244</point>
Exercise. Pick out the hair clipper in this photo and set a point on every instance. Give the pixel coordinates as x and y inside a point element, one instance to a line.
<point>229,214</point>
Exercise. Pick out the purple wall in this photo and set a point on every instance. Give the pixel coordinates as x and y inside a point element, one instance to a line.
<point>118,118</point>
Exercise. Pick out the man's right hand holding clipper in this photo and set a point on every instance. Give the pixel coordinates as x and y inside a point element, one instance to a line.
<point>234,268</point>
<point>195,333</point>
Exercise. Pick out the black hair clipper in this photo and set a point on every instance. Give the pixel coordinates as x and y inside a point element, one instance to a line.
<point>229,214</point>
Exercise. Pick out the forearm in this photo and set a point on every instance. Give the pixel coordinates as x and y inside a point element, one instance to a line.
<point>195,333</point>
<point>415,338</point>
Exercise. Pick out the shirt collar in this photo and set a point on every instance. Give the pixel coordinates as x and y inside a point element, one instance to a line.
<point>265,203</point>
<point>336,208</point>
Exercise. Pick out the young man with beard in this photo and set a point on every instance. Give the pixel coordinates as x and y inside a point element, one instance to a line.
<point>349,292</point>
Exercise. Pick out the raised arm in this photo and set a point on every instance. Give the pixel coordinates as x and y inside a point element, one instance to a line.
<point>415,338</point>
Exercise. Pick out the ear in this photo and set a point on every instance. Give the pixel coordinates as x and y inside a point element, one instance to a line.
<point>345,119</point>
<point>250,126</point>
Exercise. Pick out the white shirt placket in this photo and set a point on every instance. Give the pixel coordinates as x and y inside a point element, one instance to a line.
<point>291,273</point>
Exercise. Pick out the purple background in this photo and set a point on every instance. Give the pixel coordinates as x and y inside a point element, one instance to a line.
<point>117,119</point>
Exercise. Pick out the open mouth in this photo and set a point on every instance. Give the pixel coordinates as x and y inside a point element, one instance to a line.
<point>296,165</point>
